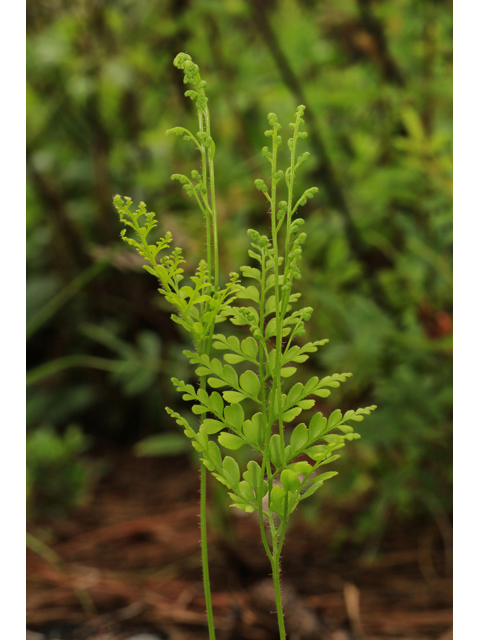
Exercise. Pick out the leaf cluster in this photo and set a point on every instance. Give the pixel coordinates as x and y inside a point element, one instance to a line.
<point>198,306</point>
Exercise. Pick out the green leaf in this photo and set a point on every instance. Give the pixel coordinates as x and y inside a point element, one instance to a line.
<point>234,415</point>
<point>329,460</point>
<point>212,426</point>
<point>334,438</point>
<point>189,432</point>
<point>299,439</point>
<point>241,503</point>
<point>233,358</point>
<point>317,426</point>
<point>221,342</point>
<point>216,403</point>
<point>249,293</point>
<point>198,409</point>
<point>233,397</point>
<point>345,428</point>
<point>253,429</point>
<point>254,477</point>
<point>317,453</point>
<point>306,404</point>
<point>359,413</point>
<point>216,383</point>
<point>202,371</point>
<point>246,491</point>
<point>277,499</point>
<point>289,480</point>
<point>230,375</point>
<point>250,272</point>
<point>310,386</point>
<point>214,454</point>
<point>334,418</point>
<point>249,347</point>
<point>276,453</point>
<point>292,413</point>
<point>294,394</point>
<point>271,328</point>
<point>250,383</point>
<point>233,343</point>
<point>270,282</point>
<point>202,440</point>
<point>150,270</point>
<point>322,393</point>
<point>327,475</point>
<point>208,463</point>
<point>270,305</point>
<point>286,372</point>
<point>352,436</point>
<point>198,328</point>
<point>230,441</point>
<point>231,471</point>
<point>303,468</point>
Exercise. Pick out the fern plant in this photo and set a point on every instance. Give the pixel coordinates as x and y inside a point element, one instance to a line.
<point>256,398</point>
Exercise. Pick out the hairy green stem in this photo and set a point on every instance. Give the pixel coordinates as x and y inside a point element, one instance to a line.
<point>211,227</point>
<point>203,533</point>
<point>278,593</point>
<point>211,175</point>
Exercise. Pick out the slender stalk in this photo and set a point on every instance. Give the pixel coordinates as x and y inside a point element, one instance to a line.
<point>203,538</point>
<point>278,593</point>
<point>203,533</point>
<point>211,226</point>
<point>213,203</point>
<point>211,223</point>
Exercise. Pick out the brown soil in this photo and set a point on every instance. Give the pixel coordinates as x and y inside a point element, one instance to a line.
<point>128,562</point>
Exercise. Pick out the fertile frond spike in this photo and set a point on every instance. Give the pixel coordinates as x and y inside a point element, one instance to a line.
<point>192,76</point>
<point>261,186</point>
<point>273,120</point>
<point>309,193</point>
<point>118,201</point>
<point>180,60</point>
<point>267,153</point>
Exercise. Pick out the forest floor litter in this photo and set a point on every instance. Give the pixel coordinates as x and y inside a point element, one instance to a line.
<point>127,566</point>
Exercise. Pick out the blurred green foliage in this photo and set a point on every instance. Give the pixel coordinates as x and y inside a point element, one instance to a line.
<point>376,79</point>
<point>56,477</point>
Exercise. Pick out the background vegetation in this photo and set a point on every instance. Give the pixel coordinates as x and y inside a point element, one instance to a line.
<point>375,76</point>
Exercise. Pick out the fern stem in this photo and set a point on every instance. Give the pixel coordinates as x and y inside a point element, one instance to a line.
<point>213,202</point>
<point>203,533</point>
<point>208,217</point>
<point>278,593</point>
